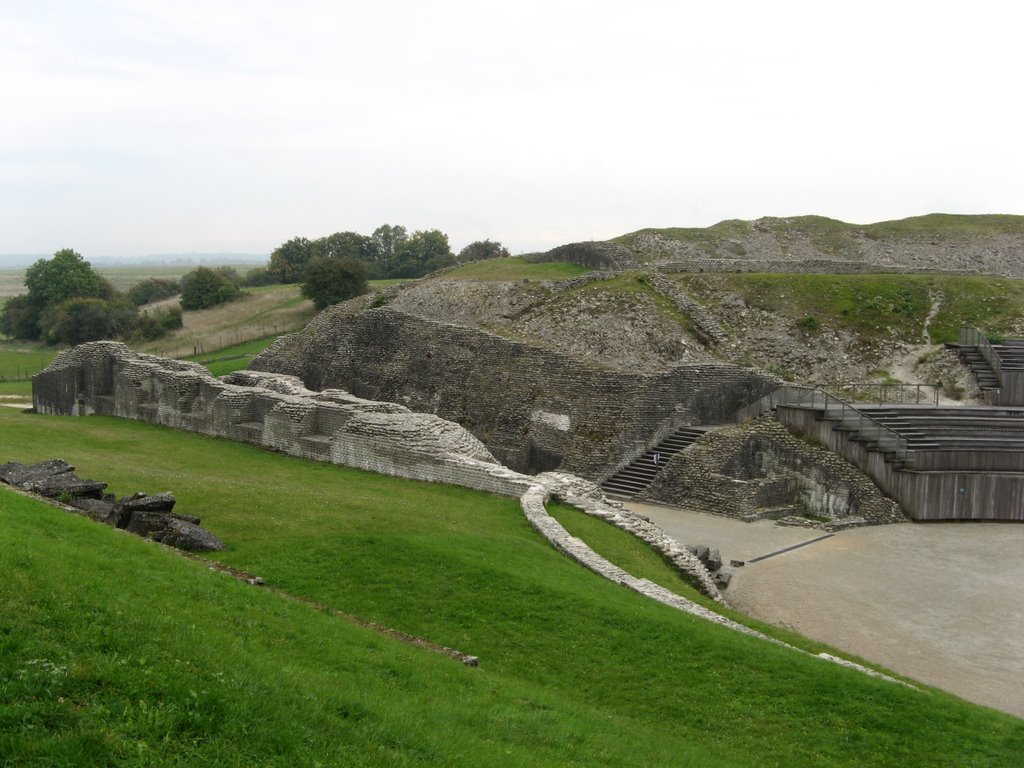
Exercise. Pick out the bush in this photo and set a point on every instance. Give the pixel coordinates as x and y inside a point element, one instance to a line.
<point>157,323</point>
<point>153,289</point>
<point>260,276</point>
<point>88,319</point>
<point>328,281</point>
<point>204,287</point>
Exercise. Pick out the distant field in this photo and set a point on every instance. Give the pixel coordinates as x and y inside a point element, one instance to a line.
<point>12,282</point>
<point>122,278</point>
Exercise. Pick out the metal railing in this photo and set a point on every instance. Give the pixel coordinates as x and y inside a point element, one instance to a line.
<point>972,337</point>
<point>838,410</point>
<point>883,393</point>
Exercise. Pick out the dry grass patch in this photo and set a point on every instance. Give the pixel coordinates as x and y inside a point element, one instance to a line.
<point>261,312</point>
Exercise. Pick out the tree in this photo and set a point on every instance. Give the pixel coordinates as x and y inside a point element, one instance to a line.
<point>386,242</point>
<point>342,244</point>
<point>19,319</point>
<point>289,260</point>
<point>51,282</point>
<point>82,319</point>
<point>204,287</point>
<point>66,275</point>
<point>423,252</point>
<point>330,280</point>
<point>482,250</point>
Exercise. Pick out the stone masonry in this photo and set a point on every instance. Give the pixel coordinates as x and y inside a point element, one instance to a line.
<point>277,412</point>
<point>534,409</point>
<point>761,469</point>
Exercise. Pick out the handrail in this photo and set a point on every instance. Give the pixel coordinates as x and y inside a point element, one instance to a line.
<point>816,398</point>
<point>973,337</point>
<point>906,394</point>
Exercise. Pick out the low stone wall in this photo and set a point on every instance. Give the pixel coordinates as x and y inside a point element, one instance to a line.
<point>809,267</point>
<point>535,409</point>
<point>743,470</point>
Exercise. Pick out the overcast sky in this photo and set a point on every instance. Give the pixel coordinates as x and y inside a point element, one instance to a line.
<point>133,127</point>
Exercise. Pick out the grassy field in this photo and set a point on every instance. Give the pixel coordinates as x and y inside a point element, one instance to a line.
<point>122,278</point>
<point>271,310</point>
<point>574,670</point>
<point>514,268</point>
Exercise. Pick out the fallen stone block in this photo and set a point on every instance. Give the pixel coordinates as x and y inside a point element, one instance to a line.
<point>183,535</point>
<point>144,502</point>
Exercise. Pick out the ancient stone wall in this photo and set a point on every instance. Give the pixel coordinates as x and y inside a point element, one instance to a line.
<point>271,411</point>
<point>809,267</point>
<point>745,470</point>
<point>535,409</point>
<point>276,412</point>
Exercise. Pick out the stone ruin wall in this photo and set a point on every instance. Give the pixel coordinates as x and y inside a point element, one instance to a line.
<point>274,412</point>
<point>535,409</point>
<point>756,251</point>
<point>744,470</point>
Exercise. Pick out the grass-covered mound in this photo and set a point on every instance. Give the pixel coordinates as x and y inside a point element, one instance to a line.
<point>886,307</point>
<point>831,236</point>
<point>107,642</point>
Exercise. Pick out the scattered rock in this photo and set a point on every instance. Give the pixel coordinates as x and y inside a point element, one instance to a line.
<point>143,514</point>
<point>180,534</point>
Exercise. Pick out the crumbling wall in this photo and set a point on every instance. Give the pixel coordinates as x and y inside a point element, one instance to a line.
<point>271,411</point>
<point>275,411</point>
<point>744,470</point>
<point>535,409</point>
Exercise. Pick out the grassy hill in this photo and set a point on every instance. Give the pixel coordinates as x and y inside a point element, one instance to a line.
<point>114,651</point>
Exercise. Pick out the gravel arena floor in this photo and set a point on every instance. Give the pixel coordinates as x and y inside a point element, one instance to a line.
<point>942,603</point>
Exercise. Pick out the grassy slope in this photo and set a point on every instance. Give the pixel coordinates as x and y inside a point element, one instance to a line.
<point>874,306</point>
<point>590,663</point>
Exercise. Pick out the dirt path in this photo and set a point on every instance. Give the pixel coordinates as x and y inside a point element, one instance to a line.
<point>942,603</point>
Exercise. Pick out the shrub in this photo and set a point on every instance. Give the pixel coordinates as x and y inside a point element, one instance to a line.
<point>156,323</point>
<point>330,280</point>
<point>153,289</point>
<point>204,287</point>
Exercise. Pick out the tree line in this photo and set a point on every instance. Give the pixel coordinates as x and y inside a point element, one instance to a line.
<point>337,267</point>
<point>69,302</point>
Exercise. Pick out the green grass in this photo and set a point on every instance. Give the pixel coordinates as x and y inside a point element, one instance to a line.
<point>890,307</point>
<point>514,268</point>
<point>19,361</point>
<point>573,668</point>
<point>234,358</point>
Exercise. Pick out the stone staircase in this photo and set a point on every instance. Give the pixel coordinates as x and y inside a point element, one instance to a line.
<point>638,474</point>
<point>1008,357</point>
<point>981,370</point>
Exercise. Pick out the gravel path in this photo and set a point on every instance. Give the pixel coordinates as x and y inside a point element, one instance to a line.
<point>942,603</point>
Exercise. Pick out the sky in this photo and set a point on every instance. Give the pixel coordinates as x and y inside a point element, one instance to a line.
<point>135,127</point>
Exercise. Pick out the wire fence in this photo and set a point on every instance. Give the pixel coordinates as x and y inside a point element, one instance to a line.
<point>208,343</point>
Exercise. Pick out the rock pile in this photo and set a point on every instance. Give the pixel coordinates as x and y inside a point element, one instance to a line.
<point>150,516</point>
